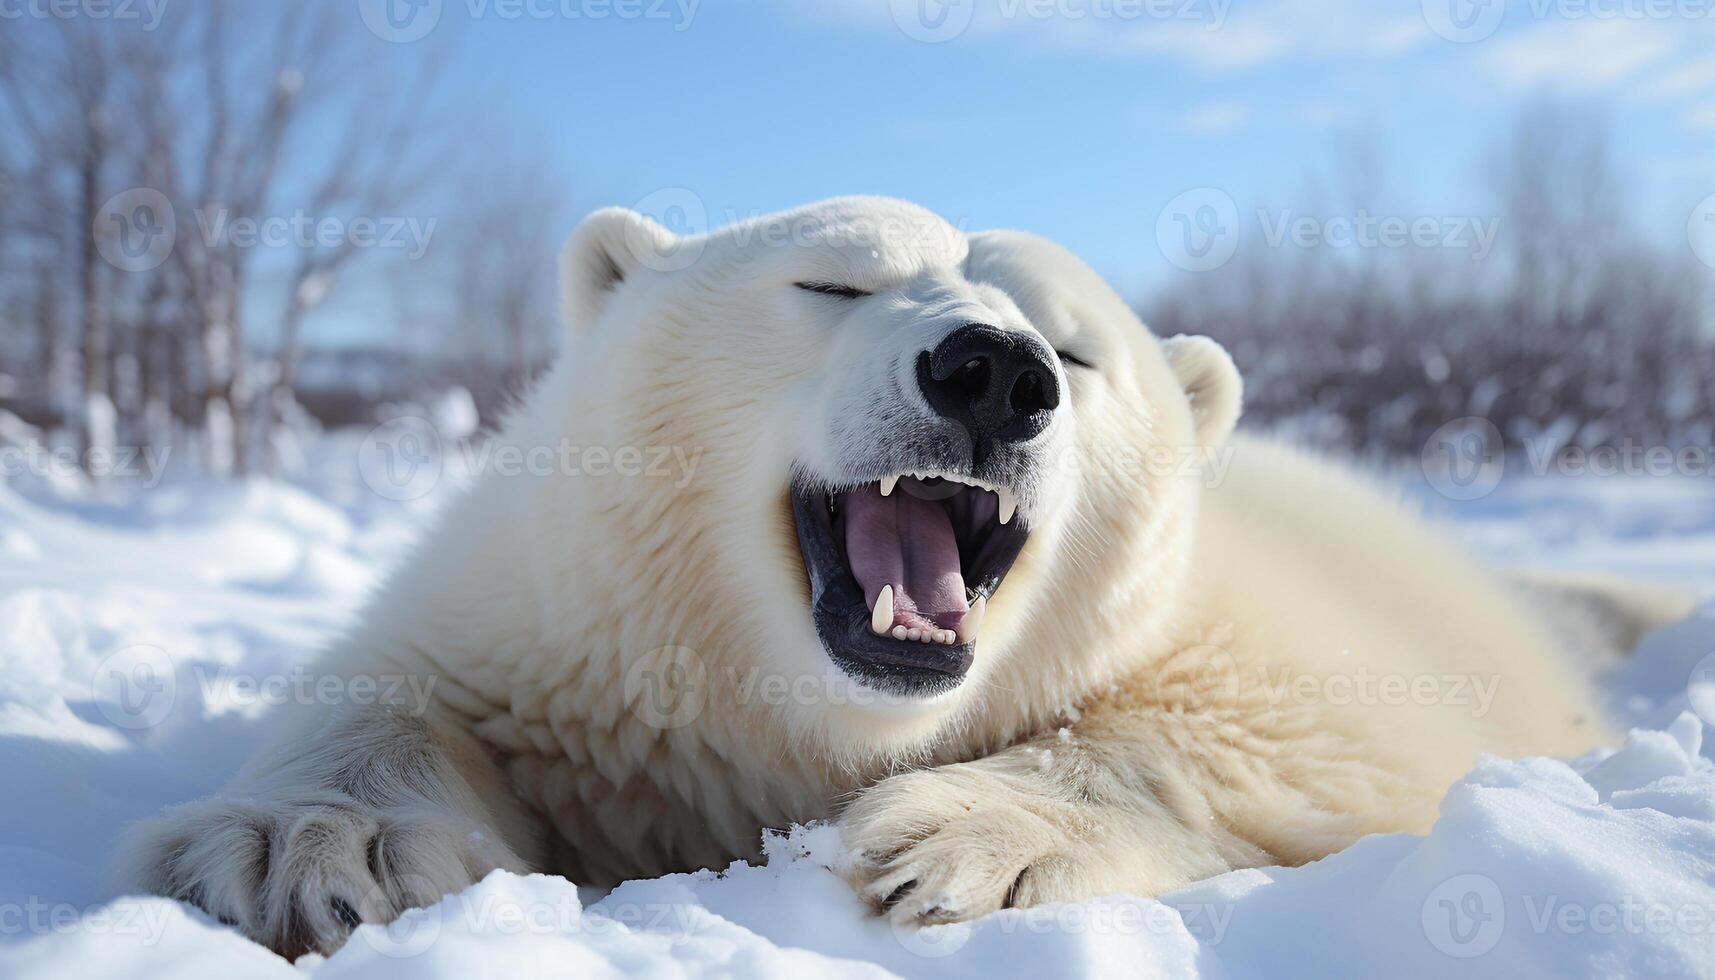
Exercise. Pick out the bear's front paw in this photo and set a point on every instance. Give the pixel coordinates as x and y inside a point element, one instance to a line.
<point>952,844</point>
<point>299,875</point>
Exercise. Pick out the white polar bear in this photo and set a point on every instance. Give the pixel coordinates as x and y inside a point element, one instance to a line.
<point>967,561</point>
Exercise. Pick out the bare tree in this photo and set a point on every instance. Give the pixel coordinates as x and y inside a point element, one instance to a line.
<point>380,165</point>
<point>256,99</point>
<point>61,92</point>
<point>1577,329</point>
<point>500,249</point>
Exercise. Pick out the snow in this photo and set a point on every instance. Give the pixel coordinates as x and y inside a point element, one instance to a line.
<point>143,633</point>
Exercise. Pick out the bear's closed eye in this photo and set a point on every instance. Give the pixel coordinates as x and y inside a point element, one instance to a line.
<point>1073,360</point>
<point>833,289</point>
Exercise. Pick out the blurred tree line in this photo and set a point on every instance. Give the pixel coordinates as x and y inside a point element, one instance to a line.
<point>178,204</point>
<point>1577,329</point>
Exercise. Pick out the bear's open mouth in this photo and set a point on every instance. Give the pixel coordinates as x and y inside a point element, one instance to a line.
<point>901,571</point>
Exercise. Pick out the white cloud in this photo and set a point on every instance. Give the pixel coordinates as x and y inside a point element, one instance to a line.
<point>1680,167</point>
<point>1398,37</point>
<point>1580,55</point>
<point>1213,118</point>
<point>1700,117</point>
<point>1231,48</point>
<point>1321,112</point>
<point>1214,36</point>
<point>1253,33</point>
<point>1691,79</point>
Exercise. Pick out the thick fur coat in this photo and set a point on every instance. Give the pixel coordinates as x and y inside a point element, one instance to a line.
<point>1212,652</point>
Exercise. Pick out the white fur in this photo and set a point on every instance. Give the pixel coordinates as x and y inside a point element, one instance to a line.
<point>1121,729</point>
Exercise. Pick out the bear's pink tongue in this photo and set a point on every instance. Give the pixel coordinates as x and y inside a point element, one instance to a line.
<point>908,543</point>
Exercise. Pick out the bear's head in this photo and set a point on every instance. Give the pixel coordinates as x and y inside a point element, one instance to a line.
<point>937,474</point>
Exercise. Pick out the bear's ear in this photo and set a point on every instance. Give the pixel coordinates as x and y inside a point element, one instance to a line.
<point>1211,383</point>
<point>604,249</point>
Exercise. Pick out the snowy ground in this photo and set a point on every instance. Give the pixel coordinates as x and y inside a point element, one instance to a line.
<point>141,637</point>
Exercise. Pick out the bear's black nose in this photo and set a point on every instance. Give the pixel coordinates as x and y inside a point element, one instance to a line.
<point>1000,385</point>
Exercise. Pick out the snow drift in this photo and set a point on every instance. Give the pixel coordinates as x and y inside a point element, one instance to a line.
<point>141,639</point>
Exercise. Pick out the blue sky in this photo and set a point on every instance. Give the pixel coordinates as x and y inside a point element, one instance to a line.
<point>1077,119</point>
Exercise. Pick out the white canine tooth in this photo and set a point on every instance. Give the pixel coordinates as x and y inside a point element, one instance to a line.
<point>887,485</point>
<point>1007,505</point>
<point>973,620</point>
<point>881,619</point>
<point>899,632</point>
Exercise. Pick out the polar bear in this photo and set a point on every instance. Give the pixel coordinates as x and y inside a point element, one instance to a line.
<point>969,562</point>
